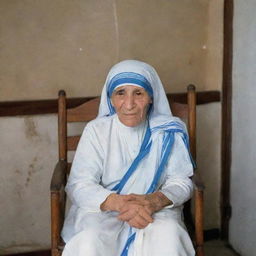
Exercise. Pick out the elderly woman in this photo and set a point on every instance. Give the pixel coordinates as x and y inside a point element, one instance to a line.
<point>130,174</point>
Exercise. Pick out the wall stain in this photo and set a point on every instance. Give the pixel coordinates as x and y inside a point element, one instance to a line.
<point>18,171</point>
<point>30,128</point>
<point>19,191</point>
<point>32,169</point>
<point>190,61</point>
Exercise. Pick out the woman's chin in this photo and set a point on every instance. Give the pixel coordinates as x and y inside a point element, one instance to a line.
<point>130,122</point>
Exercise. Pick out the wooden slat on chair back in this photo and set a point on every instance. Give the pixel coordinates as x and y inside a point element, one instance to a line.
<point>83,113</point>
<point>179,109</point>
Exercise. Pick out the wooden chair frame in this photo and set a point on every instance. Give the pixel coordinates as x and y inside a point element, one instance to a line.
<point>87,112</point>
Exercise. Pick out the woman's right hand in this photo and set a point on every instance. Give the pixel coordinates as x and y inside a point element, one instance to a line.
<point>114,202</point>
<point>135,214</point>
<point>132,209</point>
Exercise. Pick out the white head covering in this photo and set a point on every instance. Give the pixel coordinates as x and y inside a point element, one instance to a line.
<point>160,113</point>
<point>160,116</point>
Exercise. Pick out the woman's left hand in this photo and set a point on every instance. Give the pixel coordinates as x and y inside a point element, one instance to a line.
<point>140,208</point>
<point>135,214</point>
<point>153,202</point>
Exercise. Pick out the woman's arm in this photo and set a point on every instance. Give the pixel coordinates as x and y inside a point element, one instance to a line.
<point>83,186</point>
<point>177,185</point>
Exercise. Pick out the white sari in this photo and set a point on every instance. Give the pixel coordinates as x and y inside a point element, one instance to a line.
<point>105,152</point>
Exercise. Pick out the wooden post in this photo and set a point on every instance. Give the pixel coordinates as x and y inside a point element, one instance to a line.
<point>62,125</point>
<point>55,225</point>
<point>199,213</point>
<point>192,119</point>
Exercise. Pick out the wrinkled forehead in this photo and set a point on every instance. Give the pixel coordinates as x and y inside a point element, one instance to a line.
<point>129,86</point>
<point>129,78</point>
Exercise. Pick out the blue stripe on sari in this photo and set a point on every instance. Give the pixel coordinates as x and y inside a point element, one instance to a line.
<point>127,244</point>
<point>144,150</point>
<point>167,147</point>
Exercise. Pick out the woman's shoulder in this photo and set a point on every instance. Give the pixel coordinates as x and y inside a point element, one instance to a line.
<point>166,124</point>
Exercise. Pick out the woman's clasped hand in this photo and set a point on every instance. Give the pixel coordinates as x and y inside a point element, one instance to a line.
<point>136,210</point>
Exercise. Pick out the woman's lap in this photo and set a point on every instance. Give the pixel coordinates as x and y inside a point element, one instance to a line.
<point>165,236</point>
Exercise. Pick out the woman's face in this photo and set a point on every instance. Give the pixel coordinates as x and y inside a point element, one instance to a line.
<point>131,104</point>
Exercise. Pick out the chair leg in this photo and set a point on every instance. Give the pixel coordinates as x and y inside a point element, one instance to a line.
<point>200,251</point>
<point>55,226</point>
<point>199,234</point>
<point>55,252</point>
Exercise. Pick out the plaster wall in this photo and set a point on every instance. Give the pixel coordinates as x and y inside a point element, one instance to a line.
<point>28,154</point>
<point>208,160</point>
<point>243,175</point>
<point>214,46</point>
<point>50,45</point>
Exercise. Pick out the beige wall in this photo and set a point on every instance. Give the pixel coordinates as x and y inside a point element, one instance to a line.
<point>48,45</point>
<point>208,160</point>
<point>214,46</point>
<point>28,155</point>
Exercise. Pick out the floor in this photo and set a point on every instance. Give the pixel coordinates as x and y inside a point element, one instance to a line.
<point>218,248</point>
<point>212,248</point>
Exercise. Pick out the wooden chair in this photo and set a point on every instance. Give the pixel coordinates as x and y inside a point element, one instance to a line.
<point>86,112</point>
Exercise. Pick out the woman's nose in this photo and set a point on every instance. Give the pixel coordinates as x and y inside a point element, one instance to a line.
<point>129,102</point>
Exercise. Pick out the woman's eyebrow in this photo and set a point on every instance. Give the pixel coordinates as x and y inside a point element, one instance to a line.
<point>119,90</point>
<point>139,90</point>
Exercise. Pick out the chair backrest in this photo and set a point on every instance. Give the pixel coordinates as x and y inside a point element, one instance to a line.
<point>88,111</point>
<point>187,112</point>
<point>82,113</point>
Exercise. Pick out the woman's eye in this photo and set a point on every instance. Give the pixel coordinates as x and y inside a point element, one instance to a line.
<point>119,92</point>
<point>138,93</point>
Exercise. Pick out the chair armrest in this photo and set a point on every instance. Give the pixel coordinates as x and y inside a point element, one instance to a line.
<point>59,176</point>
<point>198,183</point>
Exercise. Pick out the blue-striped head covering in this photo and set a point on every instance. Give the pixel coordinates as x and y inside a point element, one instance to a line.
<point>133,72</point>
<point>127,78</point>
